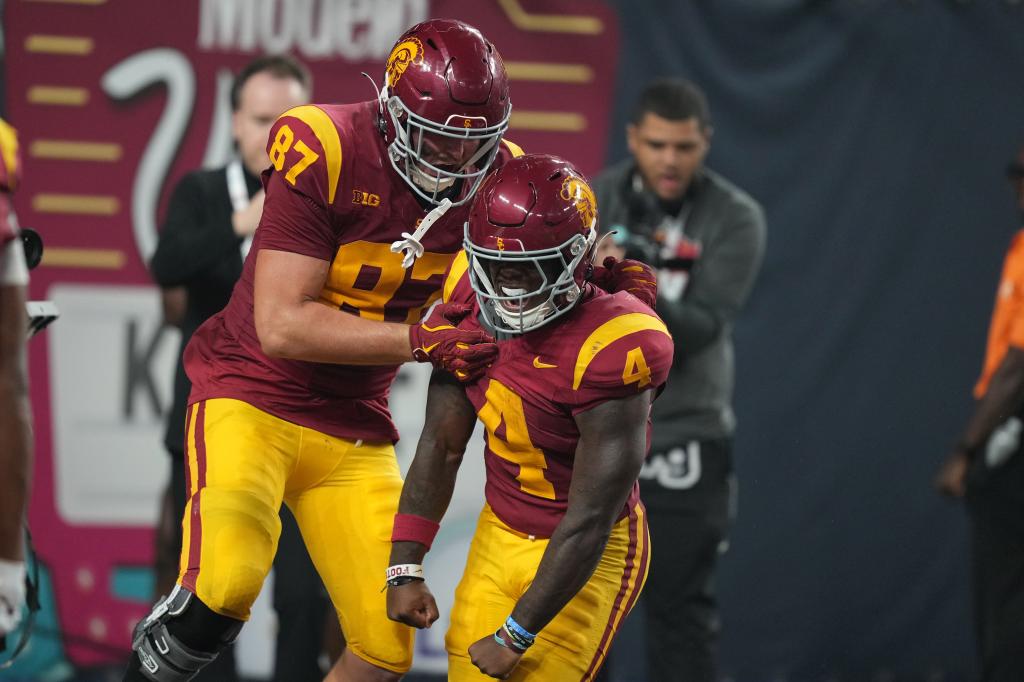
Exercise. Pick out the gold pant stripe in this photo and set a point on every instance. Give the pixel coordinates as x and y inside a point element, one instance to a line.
<point>633,578</point>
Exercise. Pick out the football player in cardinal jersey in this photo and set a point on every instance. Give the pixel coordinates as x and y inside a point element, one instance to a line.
<point>561,548</point>
<point>364,210</point>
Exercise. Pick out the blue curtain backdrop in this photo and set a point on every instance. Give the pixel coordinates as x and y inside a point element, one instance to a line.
<point>875,134</point>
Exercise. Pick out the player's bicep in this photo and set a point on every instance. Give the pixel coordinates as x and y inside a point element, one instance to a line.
<point>450,416</point>
<point>611,450</point>
<point>284,281</point>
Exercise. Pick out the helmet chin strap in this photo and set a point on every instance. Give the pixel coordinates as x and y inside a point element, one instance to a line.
<point>410,244</point>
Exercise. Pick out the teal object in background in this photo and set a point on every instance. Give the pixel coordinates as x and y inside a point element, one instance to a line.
<point>134,583</point>
<point>43,660</point>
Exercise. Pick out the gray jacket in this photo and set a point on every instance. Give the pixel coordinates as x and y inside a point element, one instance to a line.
<point>730,227</point>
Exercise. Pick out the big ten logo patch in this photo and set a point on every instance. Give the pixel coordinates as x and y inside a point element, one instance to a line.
<point>365,198</point>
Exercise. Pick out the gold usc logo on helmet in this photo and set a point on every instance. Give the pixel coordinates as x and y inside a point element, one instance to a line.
<point>407,52</point>
<point>575,190</point>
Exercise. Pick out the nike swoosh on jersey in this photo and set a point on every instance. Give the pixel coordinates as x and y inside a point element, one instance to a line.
<point>541,365</point>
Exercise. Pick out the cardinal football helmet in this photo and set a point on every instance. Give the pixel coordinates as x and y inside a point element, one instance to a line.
<point>444,107</point>
<point>529,240</point>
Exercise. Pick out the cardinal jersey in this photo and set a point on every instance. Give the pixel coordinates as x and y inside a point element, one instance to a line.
<point>610,346</point>
<point>333,195</point>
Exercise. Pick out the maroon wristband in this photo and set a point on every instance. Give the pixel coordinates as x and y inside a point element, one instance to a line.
<point>414,528</point>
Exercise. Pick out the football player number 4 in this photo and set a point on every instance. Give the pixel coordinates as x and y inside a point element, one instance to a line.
<point>282,143</point>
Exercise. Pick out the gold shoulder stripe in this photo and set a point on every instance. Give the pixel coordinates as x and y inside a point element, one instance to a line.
<point>9,150</point>
<point>327,133</point>
<point>513,147</point>
<point>455,273</point>
<point>609,332</point>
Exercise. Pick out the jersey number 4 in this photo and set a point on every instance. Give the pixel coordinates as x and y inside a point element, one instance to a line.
<point>516,447</point>
<point>282,143</point>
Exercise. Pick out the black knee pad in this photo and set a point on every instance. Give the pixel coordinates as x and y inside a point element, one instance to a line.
<point>180,637</point>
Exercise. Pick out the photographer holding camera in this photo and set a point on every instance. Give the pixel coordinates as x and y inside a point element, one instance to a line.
<point>705,236</point>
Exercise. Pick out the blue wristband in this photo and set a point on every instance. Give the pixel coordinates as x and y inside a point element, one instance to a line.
<point>515,628</point>
<point>507,640</point>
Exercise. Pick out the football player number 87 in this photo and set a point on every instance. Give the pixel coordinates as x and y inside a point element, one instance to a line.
<point>282,143</point>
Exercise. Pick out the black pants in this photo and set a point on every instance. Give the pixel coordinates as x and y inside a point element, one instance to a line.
<point>995,501</point>
<point>300,601</point>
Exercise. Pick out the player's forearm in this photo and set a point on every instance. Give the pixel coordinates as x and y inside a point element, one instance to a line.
<point>427,492</point>
<point>15,421</point>
<point>572,555</point>
<point>15,465</point>
<point>430,481</point>
<point>1002,400</point>
<point>609,455</point>
<point>315,332</point>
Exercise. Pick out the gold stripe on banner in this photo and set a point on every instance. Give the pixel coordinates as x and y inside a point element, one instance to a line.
<point>75,203</point>
<point>69,150</point>
<point>97,259</point>
<point>550,23</point>
<point>73,2</point>
<point>58,44</point>
<point>552,73</point>
<point>562,121</point>
<point>53,94</point>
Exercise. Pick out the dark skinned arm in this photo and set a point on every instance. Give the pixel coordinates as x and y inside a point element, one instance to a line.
<point>428,488</point>
<point>613,441</point>
<point>1001,400</point>
<point>15,421</point>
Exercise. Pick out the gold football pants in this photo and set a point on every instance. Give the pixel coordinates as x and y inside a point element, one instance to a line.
<point>241,463</point>
<point>501,566</point>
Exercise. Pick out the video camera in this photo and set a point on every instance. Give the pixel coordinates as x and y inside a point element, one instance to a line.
<point>648,246</point>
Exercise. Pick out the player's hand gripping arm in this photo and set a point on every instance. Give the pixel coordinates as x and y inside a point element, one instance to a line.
<point>613,439</point>
<point>630,275</point>
<point>1002,399</point>
<point>428,490</point>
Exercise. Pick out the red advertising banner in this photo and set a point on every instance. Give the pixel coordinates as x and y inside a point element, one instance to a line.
<point>114,101</point>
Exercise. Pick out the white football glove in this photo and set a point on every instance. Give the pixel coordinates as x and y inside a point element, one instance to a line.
<point>12,594</point>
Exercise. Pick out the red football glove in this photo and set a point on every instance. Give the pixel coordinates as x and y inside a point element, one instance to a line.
<point>439,341</point>
<point>629,275</point>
